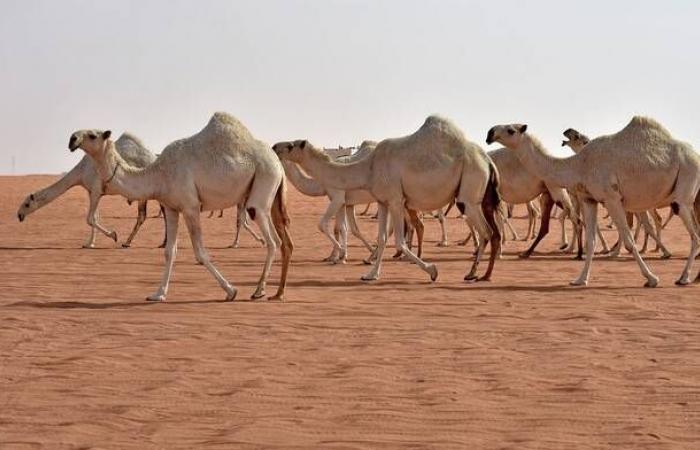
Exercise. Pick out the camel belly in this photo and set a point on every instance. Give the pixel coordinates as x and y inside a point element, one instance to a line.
<point>224,189</point>
<point>427,192</point>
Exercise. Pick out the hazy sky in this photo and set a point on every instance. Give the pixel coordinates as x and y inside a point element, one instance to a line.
<point>337,72</point>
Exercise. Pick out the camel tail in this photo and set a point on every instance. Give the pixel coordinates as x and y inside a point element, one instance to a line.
<point>281,221</point>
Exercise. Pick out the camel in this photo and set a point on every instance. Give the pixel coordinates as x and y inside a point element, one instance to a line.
<point>220,166</point>
<point>520,185</point>
<point>422,172</point>
<point>345,215</point>
<point>577,142</point>
<point>636,169</point>
<point>85,174</point>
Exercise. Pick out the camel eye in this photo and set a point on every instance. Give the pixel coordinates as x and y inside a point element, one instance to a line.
<point>290,146</point>
<point>26,205</point>
<point>511,131</point>
<point>92,136</point>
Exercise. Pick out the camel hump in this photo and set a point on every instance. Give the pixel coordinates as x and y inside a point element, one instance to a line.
<point>222,119</point>
<point>442,124</point>
<point>127,137</point>
<point>647,123</point>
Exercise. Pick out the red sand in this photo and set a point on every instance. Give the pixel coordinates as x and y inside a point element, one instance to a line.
<point>521,362</point>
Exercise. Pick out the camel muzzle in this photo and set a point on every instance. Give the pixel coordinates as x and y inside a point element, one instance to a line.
<point>563,143</point>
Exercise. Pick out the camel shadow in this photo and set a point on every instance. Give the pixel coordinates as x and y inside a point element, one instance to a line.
<point>109,305</point>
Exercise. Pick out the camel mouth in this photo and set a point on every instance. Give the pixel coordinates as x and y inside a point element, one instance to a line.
<point>563,143</point>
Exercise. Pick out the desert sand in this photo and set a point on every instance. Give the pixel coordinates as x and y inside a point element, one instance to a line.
<point>524,361</point>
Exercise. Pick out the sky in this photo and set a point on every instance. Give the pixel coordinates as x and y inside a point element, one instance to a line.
<point>338,71</point>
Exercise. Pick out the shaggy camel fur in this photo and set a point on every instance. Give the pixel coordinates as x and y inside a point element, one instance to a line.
<point>639,168</point>
<point>422,172</point>
<point>85,174</point>
<point>221,166</point>
<point>577,142</point>
<point>520,185</point>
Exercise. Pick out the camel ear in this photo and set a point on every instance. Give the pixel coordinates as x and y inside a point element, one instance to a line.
<point>106,134</point>
<point>302,144</point>
<point>523,129</point>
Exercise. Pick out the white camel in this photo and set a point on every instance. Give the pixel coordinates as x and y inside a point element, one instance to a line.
<point>422,172</point>
<point>639,168</point>
<point>220,166</point>
<point>85,174</point>
<point>577,142</point>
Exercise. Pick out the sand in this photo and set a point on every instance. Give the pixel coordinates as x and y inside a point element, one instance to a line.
<point>524,361</point>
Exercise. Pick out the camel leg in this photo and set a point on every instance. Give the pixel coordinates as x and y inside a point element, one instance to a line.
<point>354,229</point>
<point>240,218</point>
<point>686,215</point>
<point>172,218</point>
<point>668,219</point>
<point>590,218</point>
<point>140,219</point>
<point>382,218</point>
<point>476,218</point>
<point>397,212</point>
<point>443,229</point>
<point>418,225</point>
<point>508,225</point>
<point>92,216</point>
<point>341,231</point>
<point>603,242</point>
<point>650,231</point>
<point>221,213</point>
<point>656,217</point>
<point>547,204</point>
<point>211,214</point>
<point>165,226</point>
<point>272,241</point>
<point>281,224</point>
<point>366,210</point>
<point>90,243</point>
<point>620,219</point>
<point>195,230</point>
<point>337,254</point>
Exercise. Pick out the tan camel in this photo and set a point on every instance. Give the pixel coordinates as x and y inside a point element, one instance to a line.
<point>85,174</point>
<point>639,168</point>
<point>221,166</point>
<point>577,142</point>
<point>422,172</point>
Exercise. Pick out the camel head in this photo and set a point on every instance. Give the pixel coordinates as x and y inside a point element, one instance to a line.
<point>292,151</point>
<point>576,140</point>
<point>28,206</point>
<point>508,135</point>
<point>93,142</point>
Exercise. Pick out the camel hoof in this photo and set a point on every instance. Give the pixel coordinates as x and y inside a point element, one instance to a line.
<point>470,277</point>
<point>113,235</point>
<point>484,278</point>
<point>88,245</point>
<point>234,245</point>
<point>679,282</point>
<point>579,283</point>
<point>257,294</point>
<point>433,271</point>
<point>564,246</point>
<point>367,261</point>
<point>369,277</point>
<point>443,244</point>
<point>524,255</point>
<point>125,245</point>
<point>666,256</point>
<point>277,297</point>
<point>156,298</point>
<point>231,293</point>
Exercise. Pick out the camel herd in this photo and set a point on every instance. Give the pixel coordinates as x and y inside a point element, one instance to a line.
<point>631,173</point>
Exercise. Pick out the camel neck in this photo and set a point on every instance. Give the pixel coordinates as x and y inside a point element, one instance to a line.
<point>562,172</point>
<point>304,184</point>
<point>124,179</point>
<point>332,175</point>
<point>67,181</point>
